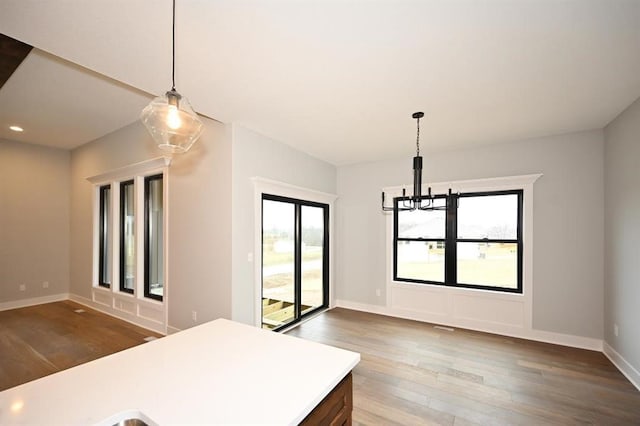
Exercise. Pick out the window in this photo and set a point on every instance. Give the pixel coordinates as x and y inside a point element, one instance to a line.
<point>127,236</point>
<point>476,242</point>
<point>421,244</point>
<point>153,238</point>
<point>130,228</point>
<point>104,224</point>
<point>129,268</point>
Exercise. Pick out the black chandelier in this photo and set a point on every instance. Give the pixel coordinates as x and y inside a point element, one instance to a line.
<point>417,201</point>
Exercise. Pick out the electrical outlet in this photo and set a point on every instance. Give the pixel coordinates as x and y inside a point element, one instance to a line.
<point>45,284</point>
<point>249,257</point>
<point>23,287</point>
<point>194,316</point>
<point>615,329</point>
<point>378,292</point>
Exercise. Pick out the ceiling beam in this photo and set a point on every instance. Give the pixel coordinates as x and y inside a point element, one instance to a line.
<point>12,53</point>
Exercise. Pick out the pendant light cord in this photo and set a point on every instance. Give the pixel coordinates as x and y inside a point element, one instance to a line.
<point>173,48</point>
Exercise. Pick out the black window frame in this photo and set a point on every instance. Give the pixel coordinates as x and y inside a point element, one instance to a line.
<point>298,203</point>
<point>147,224</point>
<point>123,184</point>
<point>103,224</point>
<point>452,240</point>
<point>398,202</point>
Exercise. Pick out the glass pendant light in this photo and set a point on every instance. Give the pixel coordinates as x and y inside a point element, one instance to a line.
<point>169,118</point>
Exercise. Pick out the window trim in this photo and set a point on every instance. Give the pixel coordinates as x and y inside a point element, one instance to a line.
<point>145,312</point>
<point>268,186</point>
<point>137,172</point>
<point>466,307</point>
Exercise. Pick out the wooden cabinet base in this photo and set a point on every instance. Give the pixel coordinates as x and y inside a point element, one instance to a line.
<point>335,409</point>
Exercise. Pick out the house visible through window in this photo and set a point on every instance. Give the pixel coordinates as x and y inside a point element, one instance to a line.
<point>476,242</point>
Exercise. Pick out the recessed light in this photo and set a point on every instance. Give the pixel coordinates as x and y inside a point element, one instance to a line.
<point>16,128</point>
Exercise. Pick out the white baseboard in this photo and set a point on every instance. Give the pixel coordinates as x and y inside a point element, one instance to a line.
<point>114,313</point>
<point>363,307</point>
<point>563,339</point>
<point>623,365</point>
<point>23,303</point>
<point>172,330</point>
<point>537,335</point>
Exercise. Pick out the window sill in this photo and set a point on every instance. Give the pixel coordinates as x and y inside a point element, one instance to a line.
<point>492,294</point>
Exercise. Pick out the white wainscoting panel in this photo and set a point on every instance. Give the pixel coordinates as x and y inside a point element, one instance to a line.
<point>489,310</point>
<point>519,332</point>
<point>152,313</point>
<point>433,303</point>
<point>144,313</point>
<point>124,305</point>
<point>477,310</point>
<point>102,298</point>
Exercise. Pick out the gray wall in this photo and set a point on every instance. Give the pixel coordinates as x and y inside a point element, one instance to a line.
<point>34,220</point>
<point>199,217</point>
<point>622,233</point>
<point>257,156</point>
<point>568,222</point>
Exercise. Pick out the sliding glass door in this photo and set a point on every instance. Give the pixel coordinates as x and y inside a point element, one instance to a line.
<point>295,259</point>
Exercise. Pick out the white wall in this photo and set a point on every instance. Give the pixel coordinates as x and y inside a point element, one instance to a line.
<point>257,156</point>
<point>199,217</point>
<point>568,222</point>
<point>207,187</point>
<point>622,235</point>
<point>34,221</point>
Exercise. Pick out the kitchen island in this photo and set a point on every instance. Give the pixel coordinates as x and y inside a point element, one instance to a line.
<point>220,372</point>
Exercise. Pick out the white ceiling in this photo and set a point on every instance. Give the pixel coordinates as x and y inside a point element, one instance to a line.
<point>339,79</point>
<point>63,105</point>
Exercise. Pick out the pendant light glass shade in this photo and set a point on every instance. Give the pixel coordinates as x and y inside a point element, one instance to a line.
<point>172,122</point>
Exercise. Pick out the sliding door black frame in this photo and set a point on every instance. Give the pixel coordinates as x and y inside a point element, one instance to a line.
<point>297,257</point>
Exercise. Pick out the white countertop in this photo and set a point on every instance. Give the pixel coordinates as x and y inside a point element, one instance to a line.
<point>220,372</point>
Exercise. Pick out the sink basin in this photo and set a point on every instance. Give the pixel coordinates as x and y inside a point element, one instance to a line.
<point>131,422</point>
<point>128,418</point>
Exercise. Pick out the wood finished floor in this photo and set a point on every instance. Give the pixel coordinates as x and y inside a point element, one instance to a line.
<point>412,374</point>
<point>40,340</point>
